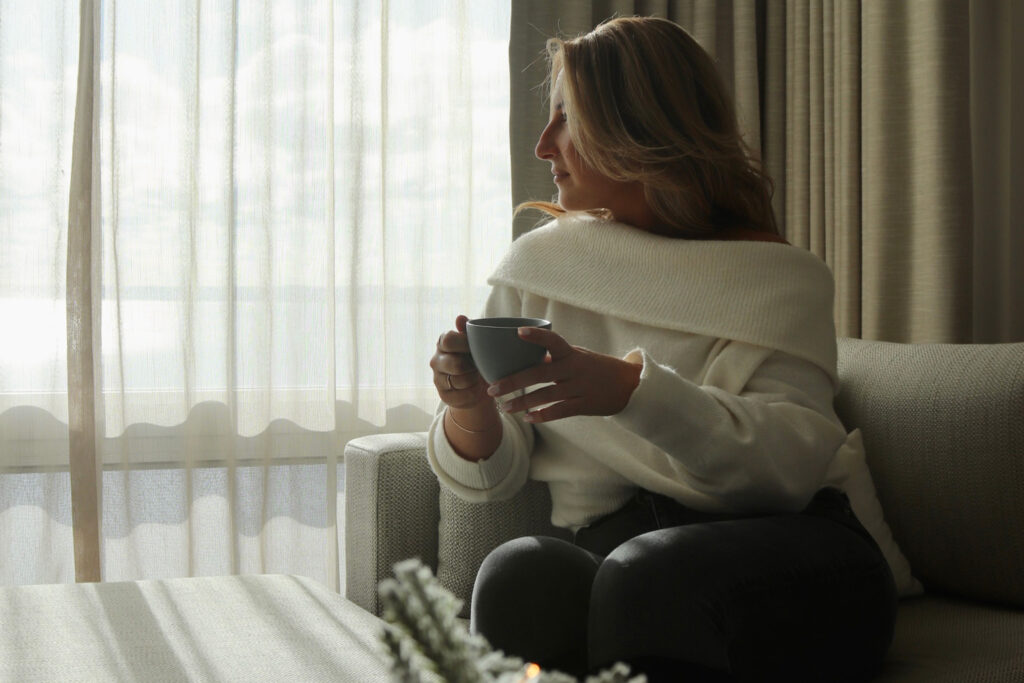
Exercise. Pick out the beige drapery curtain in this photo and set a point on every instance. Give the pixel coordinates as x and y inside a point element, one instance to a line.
<point>231,235</point>
<point>890,129</point>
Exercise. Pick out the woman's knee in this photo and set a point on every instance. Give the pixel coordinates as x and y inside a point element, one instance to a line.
<point>741,594</point>
<point>527,566</point>
<point>651,597</point>
<point>531,599</point>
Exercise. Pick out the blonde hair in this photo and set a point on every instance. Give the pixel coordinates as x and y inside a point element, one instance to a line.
<point>645,103</point>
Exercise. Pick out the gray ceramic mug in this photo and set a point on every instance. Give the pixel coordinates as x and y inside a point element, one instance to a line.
<point>497,349</point>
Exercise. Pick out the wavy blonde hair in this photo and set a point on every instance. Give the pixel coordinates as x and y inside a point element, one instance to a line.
<point>645,103</point>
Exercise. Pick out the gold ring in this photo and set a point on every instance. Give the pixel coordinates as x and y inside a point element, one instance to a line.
<point>449,380</point>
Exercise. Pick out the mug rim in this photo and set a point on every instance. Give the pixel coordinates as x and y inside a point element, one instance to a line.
<point>506,322</point>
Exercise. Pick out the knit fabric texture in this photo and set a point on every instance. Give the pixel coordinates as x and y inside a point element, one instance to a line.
<point>943,429</point>
<point>708,287</point>
<point>946,640</point>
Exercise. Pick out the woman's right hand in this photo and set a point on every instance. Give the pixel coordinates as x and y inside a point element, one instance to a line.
<point>456,379</point>
<point>477,432</point>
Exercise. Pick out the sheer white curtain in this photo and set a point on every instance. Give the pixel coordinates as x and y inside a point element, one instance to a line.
<point>275,208</point>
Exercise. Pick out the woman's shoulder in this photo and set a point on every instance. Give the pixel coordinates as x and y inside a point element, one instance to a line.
<point>744,234</point>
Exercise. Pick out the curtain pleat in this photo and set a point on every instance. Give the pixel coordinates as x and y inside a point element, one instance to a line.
<point>888,129</point>
<point>774,104</point>
<point>82,316</point>
<point>917,218</point>
<point>844,196</point>
<point>997,165</point>
<point>38,79</point>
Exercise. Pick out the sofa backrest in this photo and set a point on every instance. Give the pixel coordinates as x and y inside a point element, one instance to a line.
<point>943,428</point>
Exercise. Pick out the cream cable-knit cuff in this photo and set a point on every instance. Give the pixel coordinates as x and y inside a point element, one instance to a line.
<point>496,477</point>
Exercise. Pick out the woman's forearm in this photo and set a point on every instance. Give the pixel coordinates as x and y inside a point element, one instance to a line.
<point>474,433</point>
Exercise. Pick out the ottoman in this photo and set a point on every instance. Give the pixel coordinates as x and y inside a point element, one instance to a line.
<point>225,628</point>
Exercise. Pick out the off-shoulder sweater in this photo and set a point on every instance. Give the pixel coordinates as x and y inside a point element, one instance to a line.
<point>733,412</point>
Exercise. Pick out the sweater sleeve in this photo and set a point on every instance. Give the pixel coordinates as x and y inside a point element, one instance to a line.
<point>757,434</point>
<point>504,472</point>
<point>497,477</point>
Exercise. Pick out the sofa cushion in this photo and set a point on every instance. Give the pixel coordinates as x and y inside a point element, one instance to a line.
<point>943,429</point>
<point>943,640</point>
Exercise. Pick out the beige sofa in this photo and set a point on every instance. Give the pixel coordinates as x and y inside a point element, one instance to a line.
<point>943,426</point>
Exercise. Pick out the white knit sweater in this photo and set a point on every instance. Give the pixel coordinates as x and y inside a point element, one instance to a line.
<point>733,412</point>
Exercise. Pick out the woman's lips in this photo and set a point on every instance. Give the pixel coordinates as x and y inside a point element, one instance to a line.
<point>560,176</point>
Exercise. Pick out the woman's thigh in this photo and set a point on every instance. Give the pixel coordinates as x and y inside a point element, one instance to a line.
<point>531,600</point>
<point>789,597</point>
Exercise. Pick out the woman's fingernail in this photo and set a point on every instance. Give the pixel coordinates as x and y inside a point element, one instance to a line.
<point>525,331</point>
<point>492,390</point>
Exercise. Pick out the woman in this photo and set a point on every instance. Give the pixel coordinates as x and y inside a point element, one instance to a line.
<point>686,430</point>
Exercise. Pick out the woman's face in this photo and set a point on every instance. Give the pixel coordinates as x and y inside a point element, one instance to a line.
<point>580,187</point>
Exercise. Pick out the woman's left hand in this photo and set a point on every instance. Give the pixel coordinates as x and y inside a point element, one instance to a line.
<point>585,382</point>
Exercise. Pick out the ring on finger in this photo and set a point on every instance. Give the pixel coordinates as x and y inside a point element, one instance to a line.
<point>448,378</point>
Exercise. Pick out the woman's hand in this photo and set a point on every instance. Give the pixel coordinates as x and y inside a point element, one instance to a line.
<point>456,379</point>
<point>585,382</point>
<point>477,432</point>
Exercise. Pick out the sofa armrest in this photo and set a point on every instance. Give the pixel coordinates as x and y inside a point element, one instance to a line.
<point>395,509</point>
<point>391,511</point>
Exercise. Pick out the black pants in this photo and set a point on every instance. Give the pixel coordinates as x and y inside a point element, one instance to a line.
<point>686,596</point>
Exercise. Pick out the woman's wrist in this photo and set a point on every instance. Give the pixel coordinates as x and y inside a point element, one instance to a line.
<point>474,433</point>
<point>632,369</point>
<point>470,421</point>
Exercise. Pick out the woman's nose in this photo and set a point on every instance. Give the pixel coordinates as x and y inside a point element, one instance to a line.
<point>544,149</point>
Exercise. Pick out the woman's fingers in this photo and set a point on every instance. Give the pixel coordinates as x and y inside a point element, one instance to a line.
<point>456,378</point>
<point>557,411</point>
<point>459,397</point>
<point>556,345</point>
<point>456,382</point>
<point>537,397</point>
<point>550,371</point>
<point>452,363</point>
<point>584,383</point>
<point>452,356</point>
<point>538,374</point>
<point>453,342</point>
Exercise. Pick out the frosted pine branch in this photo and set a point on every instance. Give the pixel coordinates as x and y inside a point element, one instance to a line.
<point>425,642</point>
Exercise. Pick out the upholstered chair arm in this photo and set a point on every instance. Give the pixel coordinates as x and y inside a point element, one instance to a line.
<point>391,511</point>
<point>395,509</point>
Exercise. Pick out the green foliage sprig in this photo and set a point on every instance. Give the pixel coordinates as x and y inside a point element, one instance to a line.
<point>426,643</point>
